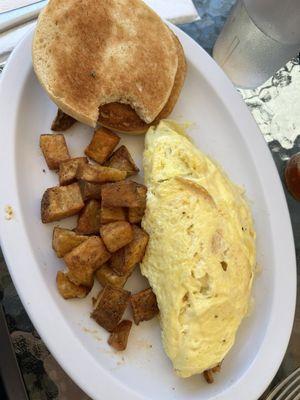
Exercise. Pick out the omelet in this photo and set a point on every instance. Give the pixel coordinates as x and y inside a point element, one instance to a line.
<point>201,256</point>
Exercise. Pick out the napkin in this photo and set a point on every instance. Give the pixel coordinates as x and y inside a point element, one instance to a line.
<point>175,11</point>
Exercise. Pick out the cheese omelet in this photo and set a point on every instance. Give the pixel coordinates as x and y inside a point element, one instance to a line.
<point>201,255</point>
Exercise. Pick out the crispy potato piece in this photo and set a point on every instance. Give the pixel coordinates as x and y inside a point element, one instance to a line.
<point>99,174</point>
<point>112,214</point>
<point>217,368</point>
<point>68,169</point>
<point>117,263</point>
<point>124,194</point>
<point>144,306</point>
<point>119,337</point>
<point>106,276</point>
<point>110,306</point>
<point>208,376</point>
<point>89,218</point>
<point>102,145</point>
<point>124,260</point>
<point>135,214</point>
<point>116,235</point>
<point>89,190</point>
<point>136,249</point>
<point>62,121</point>
<point>85,259</point>
<point>55,150</point>
<point>121,159</point>
<point>60,202</point>
<point>64,240</point>
<point>67,289</point>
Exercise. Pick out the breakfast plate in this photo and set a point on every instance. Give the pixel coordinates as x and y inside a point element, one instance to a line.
<point>222,127</point>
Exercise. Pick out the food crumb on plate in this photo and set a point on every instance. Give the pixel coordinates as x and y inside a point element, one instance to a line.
<point>93,332</point>
<point>9,212</point>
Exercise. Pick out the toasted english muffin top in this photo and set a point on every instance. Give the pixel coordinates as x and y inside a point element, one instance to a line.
<point>87,53</point>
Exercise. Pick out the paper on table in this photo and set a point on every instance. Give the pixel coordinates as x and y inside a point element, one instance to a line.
<point>7,5</point>
<point>176,11</point>
<point>9,40</point>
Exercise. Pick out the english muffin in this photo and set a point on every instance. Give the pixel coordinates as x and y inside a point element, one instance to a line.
<point>112,61</point>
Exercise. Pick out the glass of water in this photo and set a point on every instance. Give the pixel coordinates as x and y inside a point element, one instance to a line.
<point>259,37</point>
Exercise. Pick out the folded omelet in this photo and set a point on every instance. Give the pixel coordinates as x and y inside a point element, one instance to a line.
<point>201,254</point>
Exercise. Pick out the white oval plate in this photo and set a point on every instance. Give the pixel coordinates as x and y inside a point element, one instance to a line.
<point>224,128</point>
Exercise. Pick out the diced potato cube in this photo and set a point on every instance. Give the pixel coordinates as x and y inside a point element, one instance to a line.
<point>110,306</point>
<point>124,260</point>
<point>121,159</point>
<point>60,202</point>
<point>62,121</point>
<point>135,214</point>
<point>89,190</point>
<point>116,235</point>
<point>106,276</point>
<point>102,145</point>
<point>209,373</point>
<point>208,376</point>
<point>111,214</point>
<point>124,194</point>
<point>67,289</point>
<point>55,150</point>
<point>144,305</point>
<point>89,218</point>
<point>68,169</point>
<point>117,263</point>
<point>135,250</point>
<point>99,174</point>
<point>119,337</point>
<point>64,240</point>
<point>85,259</point>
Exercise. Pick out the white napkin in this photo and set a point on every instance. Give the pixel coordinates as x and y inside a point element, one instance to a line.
<point>176,11</point>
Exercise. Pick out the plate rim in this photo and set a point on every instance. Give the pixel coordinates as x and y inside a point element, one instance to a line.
<point>254,384</point>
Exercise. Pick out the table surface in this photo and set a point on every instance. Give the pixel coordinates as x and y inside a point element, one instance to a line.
<point>275,107</point>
